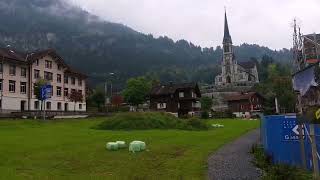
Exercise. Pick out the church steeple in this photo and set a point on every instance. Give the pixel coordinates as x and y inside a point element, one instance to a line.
<point>226,38</point>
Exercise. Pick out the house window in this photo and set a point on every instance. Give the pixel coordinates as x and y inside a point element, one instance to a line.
<point>23,72</point>
<point>66,92</point>
<point>34,89</point>
<point>194,95</point>
<point>162,105</point>
<point>36,74</point>
<point>48,76</point>
<point>23,87</point>
<point>80,106</point>
<point>12,86</point>
<point>12,70</point>
<point>1,82</point>
<point>48,105</point>
<point>59,78</point>
<point>58,91</point>
<point>59,106</point>
<point>80,82</point>
<point>59,67</point>
<point>37,62</point>
<point>80,92</point>
<point>73,80</point>
<point>73,91</point>
<point>1,68</point>
<point>48,64</point>
<point>181,94</point>
<point>66,79</point>
<point>36,105</point>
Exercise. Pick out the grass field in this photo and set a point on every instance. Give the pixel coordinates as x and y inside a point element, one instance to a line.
<point>71,149</point>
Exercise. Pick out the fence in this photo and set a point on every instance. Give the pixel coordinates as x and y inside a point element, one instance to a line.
<point>280,138</point>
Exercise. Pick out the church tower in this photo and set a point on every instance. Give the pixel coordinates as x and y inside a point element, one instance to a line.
<point>229,64</point>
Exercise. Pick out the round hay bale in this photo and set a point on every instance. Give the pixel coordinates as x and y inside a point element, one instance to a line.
<point>121,144</point>
<point>112,146</point>
<point>134,147</point>
<point>137,146</point>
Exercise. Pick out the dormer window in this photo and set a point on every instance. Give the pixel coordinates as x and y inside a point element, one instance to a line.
<point>48,64</point>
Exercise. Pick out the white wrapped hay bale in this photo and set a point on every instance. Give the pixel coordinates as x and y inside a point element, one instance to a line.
<point>137,146</point>
<point>217,125</point>
<point>121,144</point>
<point>112,146</point>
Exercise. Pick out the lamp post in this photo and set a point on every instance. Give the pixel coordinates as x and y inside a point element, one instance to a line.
<point>106,89</point>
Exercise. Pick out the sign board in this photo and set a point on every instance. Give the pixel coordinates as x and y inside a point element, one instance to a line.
<point>290,131</point>
<point>46,92</point>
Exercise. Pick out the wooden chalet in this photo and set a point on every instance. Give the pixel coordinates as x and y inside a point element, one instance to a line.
<point>245,104</point>
<point>178,99</point>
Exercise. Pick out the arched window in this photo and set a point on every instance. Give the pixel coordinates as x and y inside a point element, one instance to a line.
<point>228,79</point>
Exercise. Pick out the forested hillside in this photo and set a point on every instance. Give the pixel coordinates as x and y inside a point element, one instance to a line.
<point>98,47</point>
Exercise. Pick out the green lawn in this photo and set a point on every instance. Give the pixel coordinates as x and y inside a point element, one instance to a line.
<point>70,149</point>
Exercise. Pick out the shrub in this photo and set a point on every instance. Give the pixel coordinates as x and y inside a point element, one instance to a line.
<point>276,171</point>
<point>204,115</point>
<point>148,120</point>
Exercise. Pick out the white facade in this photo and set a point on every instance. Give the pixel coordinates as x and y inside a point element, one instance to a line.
<point>17,89</point>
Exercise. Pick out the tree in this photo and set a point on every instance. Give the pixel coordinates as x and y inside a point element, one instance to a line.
<point>98,98</point>
<point>206,103</point>
<point>137,90</point>
<point>76,96</point>
<point>37,90</point>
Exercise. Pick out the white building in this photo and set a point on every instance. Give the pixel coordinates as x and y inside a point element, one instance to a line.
<point>20,71</point>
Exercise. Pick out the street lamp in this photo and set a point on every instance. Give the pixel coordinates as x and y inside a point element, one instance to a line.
<point>106,87</point>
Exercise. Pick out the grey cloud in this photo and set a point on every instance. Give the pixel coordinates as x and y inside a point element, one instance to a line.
<point>263,22</point>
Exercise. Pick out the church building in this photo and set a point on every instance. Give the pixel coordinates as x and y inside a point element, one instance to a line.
<point>242,74</point>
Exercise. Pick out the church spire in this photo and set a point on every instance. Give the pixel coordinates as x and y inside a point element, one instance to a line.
<point>226,37</point>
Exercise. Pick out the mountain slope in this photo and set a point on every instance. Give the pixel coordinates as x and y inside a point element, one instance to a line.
<point>97,47</point>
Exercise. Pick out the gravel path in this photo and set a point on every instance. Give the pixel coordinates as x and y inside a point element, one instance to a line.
<point>233,161</point>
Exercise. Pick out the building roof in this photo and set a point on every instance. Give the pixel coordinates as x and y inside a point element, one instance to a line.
<point>172,88</point>
<point>227,36</point>
<point>30,57</point>
<point>247,64</point>
<point>9,54</point>
<point>241,96</point>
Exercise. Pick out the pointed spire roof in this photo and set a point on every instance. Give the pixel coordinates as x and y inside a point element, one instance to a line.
<point>226,37</point>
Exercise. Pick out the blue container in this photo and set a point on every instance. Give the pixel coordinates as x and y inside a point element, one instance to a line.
<point>280,140</point>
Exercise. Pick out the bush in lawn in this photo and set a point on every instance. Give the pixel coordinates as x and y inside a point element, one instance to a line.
<point>148,120</point>
<point>195,124</point>
<point>204,115</point>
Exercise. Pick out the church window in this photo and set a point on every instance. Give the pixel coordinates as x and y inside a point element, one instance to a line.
<point>228,69</point>
<point>228,79</point>
<point>226,48</point>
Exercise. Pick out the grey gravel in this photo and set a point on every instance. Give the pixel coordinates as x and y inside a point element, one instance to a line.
<point>234,161</point>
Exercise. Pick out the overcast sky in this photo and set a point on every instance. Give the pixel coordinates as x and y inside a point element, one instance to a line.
<point>263,22</point>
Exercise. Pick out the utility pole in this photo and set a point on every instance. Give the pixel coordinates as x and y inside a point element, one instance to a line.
<point>314,152</point>
<point>300,129</point>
